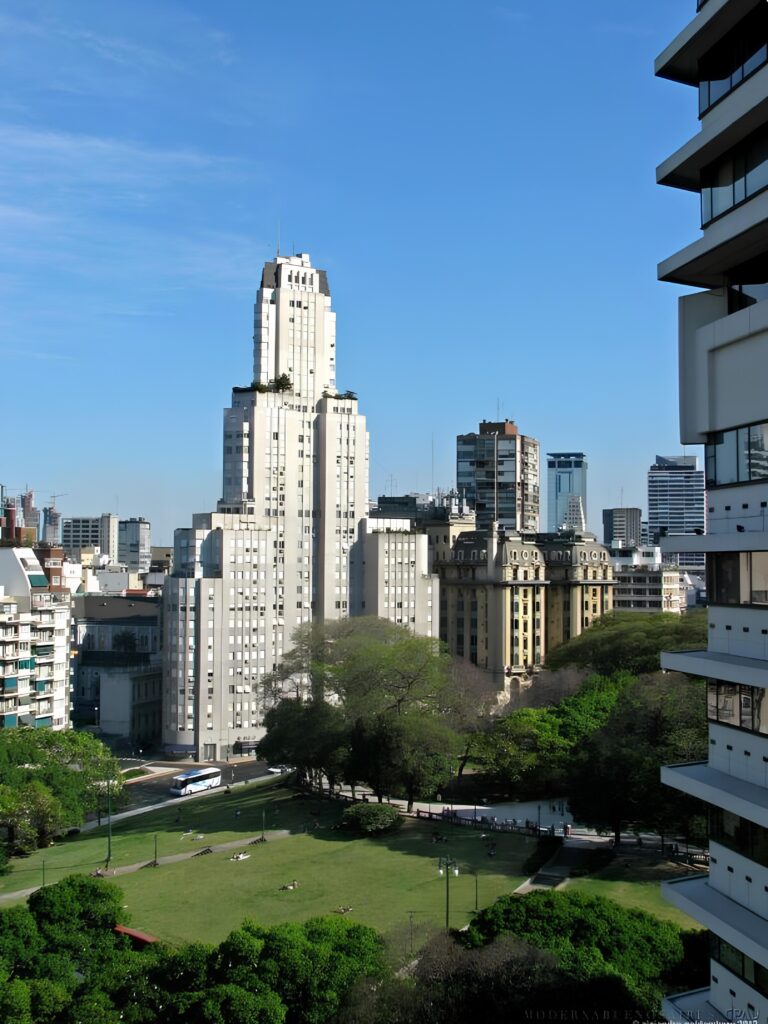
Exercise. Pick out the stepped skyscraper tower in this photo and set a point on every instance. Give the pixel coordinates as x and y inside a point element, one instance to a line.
<point>281,548</point>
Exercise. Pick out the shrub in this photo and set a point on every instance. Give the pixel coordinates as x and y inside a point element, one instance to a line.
<point>371,818</point>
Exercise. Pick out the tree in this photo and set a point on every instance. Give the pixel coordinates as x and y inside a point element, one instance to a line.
<point>313,736</point>
<point>380,667</point>
<point>125,640</point>
<point>615,779</point>
<point>371,819</point>
<point>313,965</point>
<point>70,766</point>
<point>631,642</point>
<point>77,916</point>
<point>592,937</point>
<point>531,749</point>
<point>20,941</point>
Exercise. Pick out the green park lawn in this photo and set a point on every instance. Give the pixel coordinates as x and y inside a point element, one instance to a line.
<point>387,881</point>
<point>635,881</point>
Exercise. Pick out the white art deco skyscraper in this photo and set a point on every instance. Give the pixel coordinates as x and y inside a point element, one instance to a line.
<point>282,548</point>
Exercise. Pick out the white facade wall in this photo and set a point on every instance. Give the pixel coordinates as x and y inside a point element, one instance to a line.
<point>283,547</point>
<point>398,584</point>
<point>34,644</point>
<point>723,355</point>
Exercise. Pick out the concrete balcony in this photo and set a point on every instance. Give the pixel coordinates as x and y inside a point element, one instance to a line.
<point>729,668</point>
<point>731,121</point>
<point>748,540</point>
<point>736,237</point>
<point>732,922</point>
<point>679,62</point>
<point>713,787</point>
<point>692,1006</point>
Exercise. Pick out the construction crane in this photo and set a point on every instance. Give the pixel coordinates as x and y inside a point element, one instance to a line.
<point>62,494</point>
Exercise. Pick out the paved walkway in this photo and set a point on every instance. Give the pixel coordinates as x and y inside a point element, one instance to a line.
<point>573,853</point>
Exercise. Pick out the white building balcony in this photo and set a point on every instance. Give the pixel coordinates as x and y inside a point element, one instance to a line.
<point>692,1006</point>
<point>698,779</point>
<point>752,538</point>
<point>732,922</point>
<point>679,61</point>
<point>727,124</point>
<point>729,668</point>
<point>732,239</point>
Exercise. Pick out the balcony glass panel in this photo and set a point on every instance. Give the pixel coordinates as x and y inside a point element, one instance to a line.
<point>735,57</point>
<point>737,456</point>
<point>737,176</point>
<point>740,706</point>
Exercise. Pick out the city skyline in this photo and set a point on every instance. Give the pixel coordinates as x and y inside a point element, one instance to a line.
<point>146,183</point>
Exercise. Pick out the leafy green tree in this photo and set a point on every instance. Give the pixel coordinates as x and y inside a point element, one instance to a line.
<point>15,1002</point>
<point>520,744</point>
<point>77,916</point>
<point>626,641</point>
<point>71,766</point>
<point>314,737</point>
<point>615,778</point>
<point>313,965</point>
<point>531,749</point>
<point>591,937</point>
<point>381,667</point>
<point>371,819</point>
<point>20,941</point>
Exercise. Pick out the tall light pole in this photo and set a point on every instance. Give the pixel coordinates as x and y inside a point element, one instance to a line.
<point>447,866</point>
<point>109,821</point>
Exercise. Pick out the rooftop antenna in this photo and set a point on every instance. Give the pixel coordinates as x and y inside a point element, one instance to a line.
<point>278,236</point>
<point>432,486</point>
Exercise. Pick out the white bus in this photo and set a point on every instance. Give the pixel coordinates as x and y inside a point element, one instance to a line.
<point>195,781</point>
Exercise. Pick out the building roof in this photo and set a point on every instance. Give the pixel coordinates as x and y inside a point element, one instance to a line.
<point>131,609</point>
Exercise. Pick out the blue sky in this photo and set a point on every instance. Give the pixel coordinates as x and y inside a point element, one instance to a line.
<point>477,178</point>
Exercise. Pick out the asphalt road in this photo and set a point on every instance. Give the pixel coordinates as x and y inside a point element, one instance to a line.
<point>153,789</point>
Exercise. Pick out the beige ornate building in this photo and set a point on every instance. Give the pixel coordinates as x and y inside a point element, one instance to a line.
<point>506,600</point>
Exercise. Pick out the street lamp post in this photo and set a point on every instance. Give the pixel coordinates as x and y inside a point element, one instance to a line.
<point>96,716</point>
<point>109,821</point>
<point>447,866</point>
<point>476,903</point>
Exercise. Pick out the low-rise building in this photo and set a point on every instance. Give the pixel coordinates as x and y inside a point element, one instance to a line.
<point>644,583</point>
<point>34,644</point>
<point>117,678</point>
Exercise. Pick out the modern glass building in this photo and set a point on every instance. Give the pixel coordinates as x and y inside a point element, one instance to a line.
<point>677,504</point>
<point>566,479</point>
<point>723,356</point>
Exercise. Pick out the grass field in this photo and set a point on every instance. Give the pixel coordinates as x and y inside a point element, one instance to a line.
<point>204,898</point>
<point>389,881</point>
<point>635,881</point>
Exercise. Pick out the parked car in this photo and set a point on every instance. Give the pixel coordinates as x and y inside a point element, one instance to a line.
<point>280,769</point>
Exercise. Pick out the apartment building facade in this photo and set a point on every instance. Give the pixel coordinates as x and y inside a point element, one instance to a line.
<point>723,358</point>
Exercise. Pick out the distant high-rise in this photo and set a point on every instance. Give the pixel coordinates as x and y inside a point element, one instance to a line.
<point>677,503</point>
<point>566,478</point>
<point>622,527</point>
<point>497,471</point>
<point>134,547</point>
<point>91,532</point>
<point>282,547</point>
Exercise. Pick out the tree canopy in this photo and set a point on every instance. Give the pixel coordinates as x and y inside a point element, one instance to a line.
<point>627,641</point>
<point>60,959</point>
<point>51,779</point>
<point>614,780</point>
<point>377,706</point>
